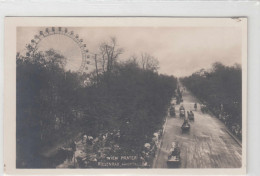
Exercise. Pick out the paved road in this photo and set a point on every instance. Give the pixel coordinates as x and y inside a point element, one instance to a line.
<point>207,145</point>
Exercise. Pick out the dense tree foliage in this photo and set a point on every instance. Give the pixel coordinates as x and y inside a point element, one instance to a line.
<point>54,105</point>
<point>131,100</point>
<point>221,90</point>
<point>44,93</point>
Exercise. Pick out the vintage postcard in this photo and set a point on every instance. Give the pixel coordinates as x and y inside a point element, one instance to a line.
<point>122,95</point>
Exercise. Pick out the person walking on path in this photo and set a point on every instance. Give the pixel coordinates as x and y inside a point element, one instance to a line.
<point>195,106</point>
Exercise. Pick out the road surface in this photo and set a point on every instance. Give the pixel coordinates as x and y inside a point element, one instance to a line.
<point>207,145</point>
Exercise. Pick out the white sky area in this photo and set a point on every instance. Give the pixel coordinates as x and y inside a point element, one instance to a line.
<point>180,50</point>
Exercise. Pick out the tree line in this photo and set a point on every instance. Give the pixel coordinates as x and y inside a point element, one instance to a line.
<point>54,105</point>
<point>220,89</point>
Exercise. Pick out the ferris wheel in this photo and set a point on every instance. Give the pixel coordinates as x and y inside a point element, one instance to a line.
<point>71,43</point>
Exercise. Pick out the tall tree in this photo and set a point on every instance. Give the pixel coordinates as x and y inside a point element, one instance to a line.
<point>149,62</point>
<point>109,52</point>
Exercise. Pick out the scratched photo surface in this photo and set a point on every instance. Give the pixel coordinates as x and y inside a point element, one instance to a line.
<point>129,97</point>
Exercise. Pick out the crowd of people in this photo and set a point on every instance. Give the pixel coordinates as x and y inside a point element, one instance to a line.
<point>90,152</point>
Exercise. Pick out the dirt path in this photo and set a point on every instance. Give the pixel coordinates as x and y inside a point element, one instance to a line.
<point>207,145</point>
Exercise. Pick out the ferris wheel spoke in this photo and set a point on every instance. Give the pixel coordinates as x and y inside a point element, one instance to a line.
<point>61,32</point>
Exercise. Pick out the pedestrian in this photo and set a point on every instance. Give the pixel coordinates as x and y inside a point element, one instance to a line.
<point>195,106</point>
<point>73,146</point>
<point>221,107</point>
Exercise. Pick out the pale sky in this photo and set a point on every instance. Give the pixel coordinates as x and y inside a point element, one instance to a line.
<point>180,50</point>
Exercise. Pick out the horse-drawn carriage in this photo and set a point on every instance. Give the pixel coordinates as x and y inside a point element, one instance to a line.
<point>190,115</point>
<point>174,158</point>
<point>185,126</point>
<point>182,112</point>
<point>179,99</point>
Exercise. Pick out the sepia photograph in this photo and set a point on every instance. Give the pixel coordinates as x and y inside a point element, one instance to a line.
<point>168,96</point>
